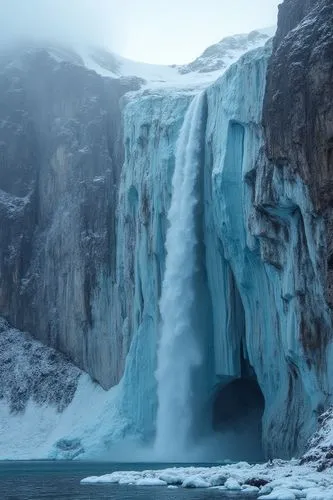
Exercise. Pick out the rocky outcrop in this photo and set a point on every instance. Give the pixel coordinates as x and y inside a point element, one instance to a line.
<point>298,108</point>
<point>60,159</point>
<point>320,449</point>
<point>30,371</point>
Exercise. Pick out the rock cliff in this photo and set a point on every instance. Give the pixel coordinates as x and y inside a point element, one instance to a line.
<point>298,107</point>
<point>60,160</point>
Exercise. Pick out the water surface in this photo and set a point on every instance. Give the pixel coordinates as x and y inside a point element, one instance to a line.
<point>50,480</point>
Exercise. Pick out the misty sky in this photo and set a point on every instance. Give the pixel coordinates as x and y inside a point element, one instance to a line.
<point>157,31</point>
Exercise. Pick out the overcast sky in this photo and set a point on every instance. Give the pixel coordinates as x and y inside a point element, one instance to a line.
<point>156,31</point>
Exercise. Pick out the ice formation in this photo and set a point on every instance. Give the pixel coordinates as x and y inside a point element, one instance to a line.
<point>270,481</point>
<point>170,311</point>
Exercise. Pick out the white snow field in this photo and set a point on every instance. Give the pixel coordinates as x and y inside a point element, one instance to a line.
<point>43,432</point>
<point>278,480</point>
<point>199,73</point>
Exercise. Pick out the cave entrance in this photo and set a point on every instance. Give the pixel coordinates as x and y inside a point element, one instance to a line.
<point>238,407</point>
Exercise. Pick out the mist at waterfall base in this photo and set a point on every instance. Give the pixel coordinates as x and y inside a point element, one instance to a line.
<point>184,425</point>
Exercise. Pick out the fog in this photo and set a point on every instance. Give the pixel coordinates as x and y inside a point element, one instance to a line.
<point>157,31</point>
<point>67,21</point>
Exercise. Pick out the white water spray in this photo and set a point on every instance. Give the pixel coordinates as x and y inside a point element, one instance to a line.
<point>178,352</point>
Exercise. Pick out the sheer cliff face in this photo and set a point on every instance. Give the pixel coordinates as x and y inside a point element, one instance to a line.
<point>263,246</point>
<point>298,107</point>
<point>293,203</point>
<point>61,155</point>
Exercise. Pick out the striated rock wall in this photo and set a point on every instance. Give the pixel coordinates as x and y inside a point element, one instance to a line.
<point>298,107</point>
<point>60,159</point>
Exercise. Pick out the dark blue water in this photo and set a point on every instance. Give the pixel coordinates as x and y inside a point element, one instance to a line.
<point>61,480</point>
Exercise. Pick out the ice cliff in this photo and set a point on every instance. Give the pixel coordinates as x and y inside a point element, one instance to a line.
<point>85,190</point>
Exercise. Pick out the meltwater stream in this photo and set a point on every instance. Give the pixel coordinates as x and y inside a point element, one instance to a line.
<point>178,352</point>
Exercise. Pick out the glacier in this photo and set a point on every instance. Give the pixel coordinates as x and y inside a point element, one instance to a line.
<point>247,285</point>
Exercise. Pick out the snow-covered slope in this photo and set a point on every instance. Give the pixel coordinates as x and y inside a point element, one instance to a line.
<point>219,56</point>
<point>205,69</point>
<point>200,72</point>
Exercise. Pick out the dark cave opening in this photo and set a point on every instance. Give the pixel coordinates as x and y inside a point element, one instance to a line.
<point>238,407</point>
<point>237,404</point>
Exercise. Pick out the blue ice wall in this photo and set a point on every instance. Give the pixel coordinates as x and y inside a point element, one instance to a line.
<point>260,227</point>
<point>152,124</point>
<point>151,128</point>
<point>260,250</point>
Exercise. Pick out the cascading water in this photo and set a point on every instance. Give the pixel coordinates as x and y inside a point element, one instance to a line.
<point>179,352</point>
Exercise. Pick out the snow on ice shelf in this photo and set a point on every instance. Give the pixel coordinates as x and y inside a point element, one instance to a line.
<point>278,480</point>
<point>159,76</point>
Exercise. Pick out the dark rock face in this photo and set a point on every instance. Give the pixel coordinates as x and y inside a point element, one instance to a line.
<point>60,159</point>
<point>31,371</point>
<point>298,107</point>
<point>320,448</point>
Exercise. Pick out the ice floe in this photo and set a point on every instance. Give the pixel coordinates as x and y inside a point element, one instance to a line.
<point>276,480</point>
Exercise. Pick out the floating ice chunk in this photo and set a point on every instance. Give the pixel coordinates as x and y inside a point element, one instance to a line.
<point>247,488</point>
<point>107,478</point>
<point>319,494</point>
<point>90,480</point>
<point>265,490</point>
<point>291,481</point>
<point>279,494</point>
<point>232,484</point>
<point>126,480</point>
<point>150,481</point>
<point>218,479</point>
<point>172,479</point>
<point>195,482</point>
<point>172,487</point>
<point>298,493</point>
<point>242,465</point>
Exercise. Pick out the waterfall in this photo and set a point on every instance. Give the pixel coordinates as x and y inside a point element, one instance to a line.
<point>178,351</point>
